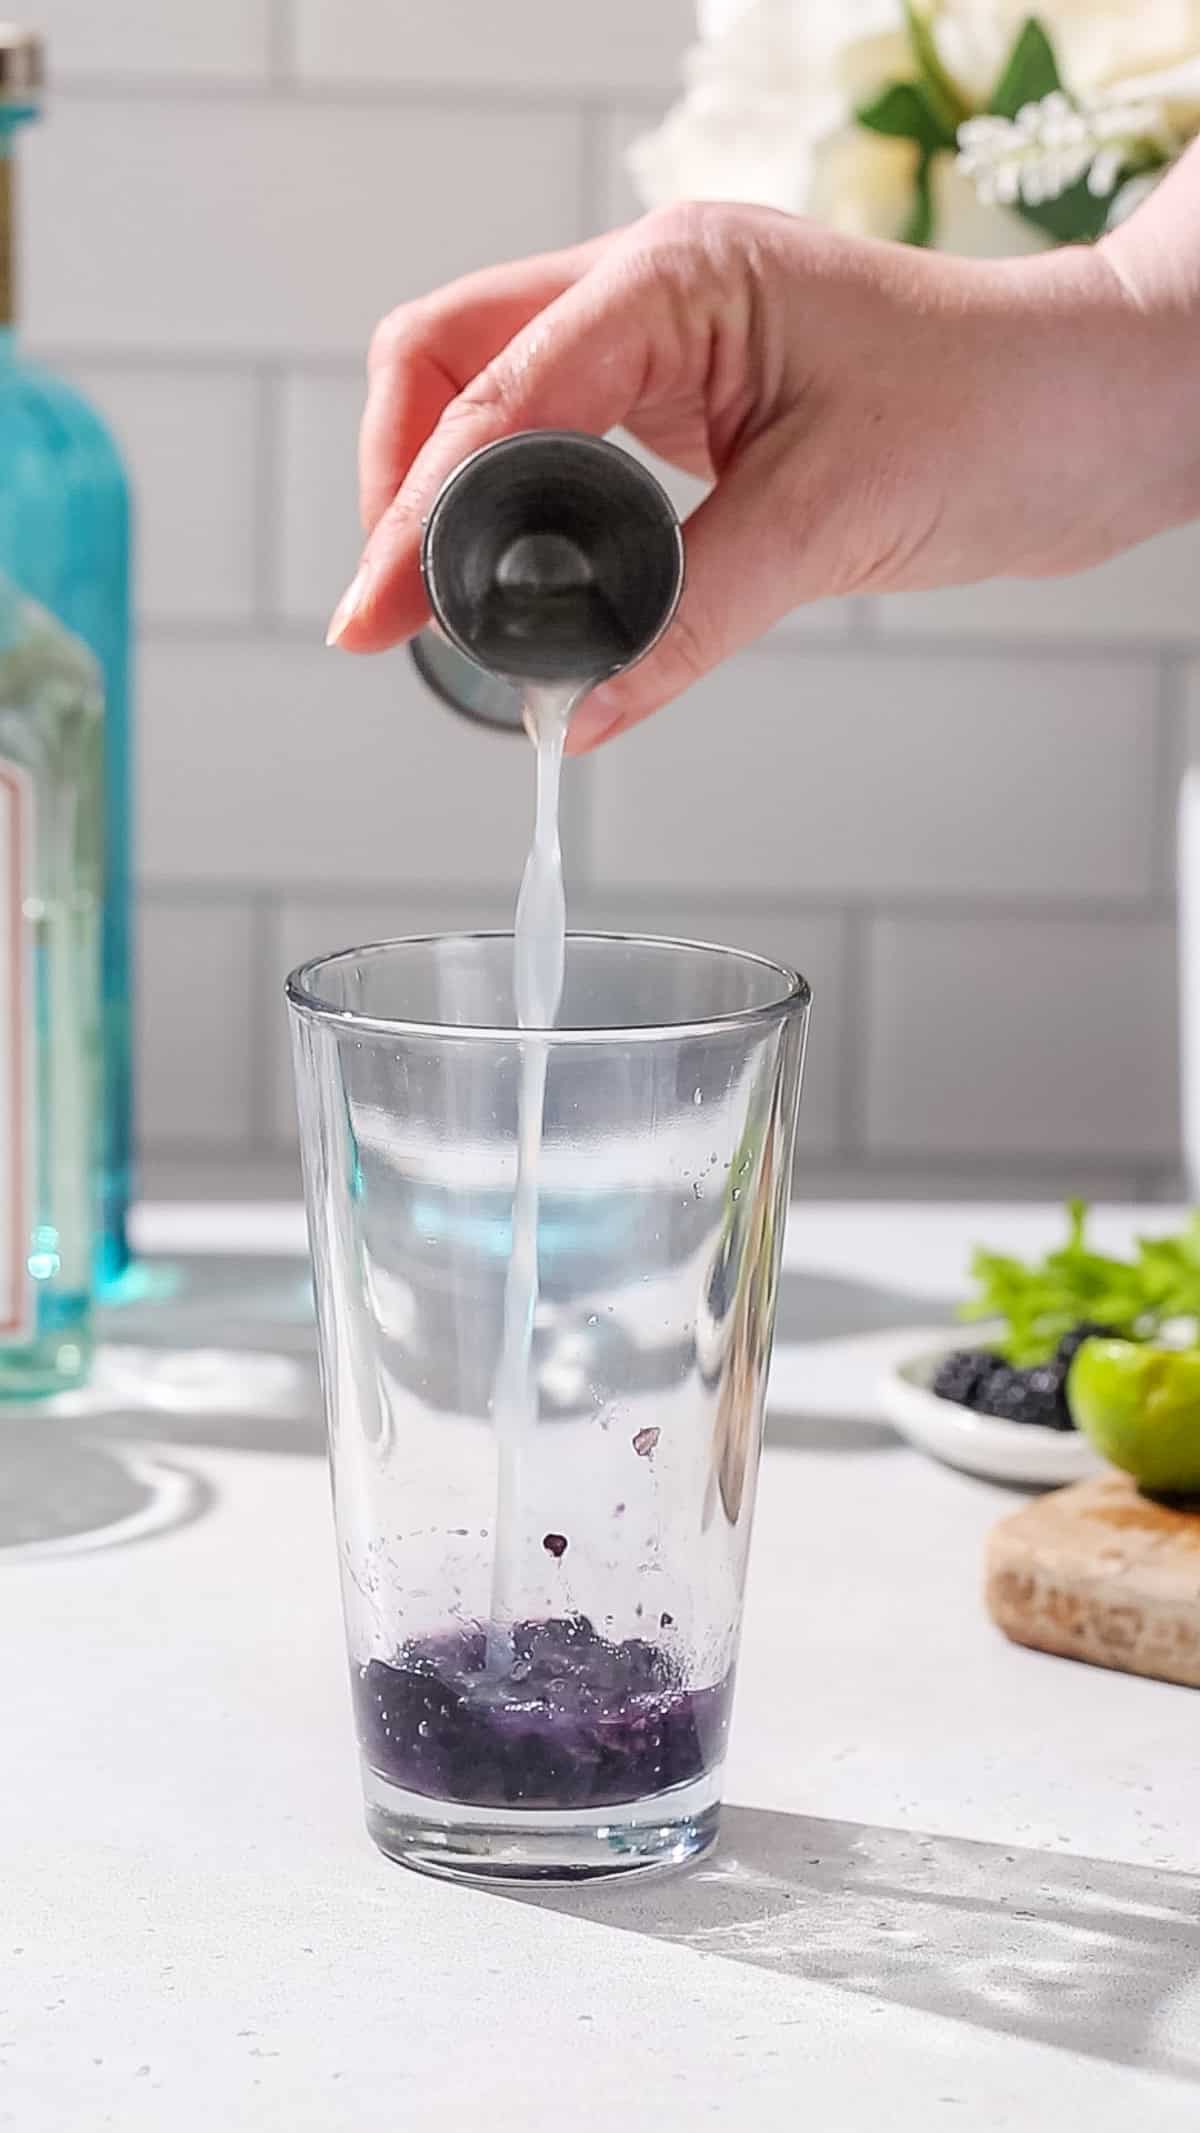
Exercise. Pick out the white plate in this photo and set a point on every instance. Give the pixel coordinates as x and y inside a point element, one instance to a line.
<point>978,1444</point>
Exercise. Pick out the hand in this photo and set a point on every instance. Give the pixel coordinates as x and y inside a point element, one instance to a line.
<point>872,417</point>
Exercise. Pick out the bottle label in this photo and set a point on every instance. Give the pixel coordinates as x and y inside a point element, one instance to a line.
<point>17,1092</point>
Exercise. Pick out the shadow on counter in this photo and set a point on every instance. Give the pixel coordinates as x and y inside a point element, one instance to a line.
<point>1092,1956</point>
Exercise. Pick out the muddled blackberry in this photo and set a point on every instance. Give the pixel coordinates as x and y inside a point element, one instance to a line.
<point>574,1721</point>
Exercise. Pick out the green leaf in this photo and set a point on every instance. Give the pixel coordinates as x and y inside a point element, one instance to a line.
<point>919,227</point>
<point>904,112</point>
<point>1030,72</point>
<point>1038,1303</point>
<point>942,93</point>
<point>1076,217</point>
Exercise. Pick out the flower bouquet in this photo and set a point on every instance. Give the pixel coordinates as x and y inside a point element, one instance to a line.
<point>971,125</point>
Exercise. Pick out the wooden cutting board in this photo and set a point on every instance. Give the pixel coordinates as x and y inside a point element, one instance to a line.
<point>1099,1572</point>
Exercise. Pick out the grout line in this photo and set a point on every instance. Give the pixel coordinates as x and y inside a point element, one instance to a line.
<point>994,1166</point>
<point>1170,759</point>
<point>1050,650</point>
<point>223,1156</point>
<point>850,1116</point>
<point>281,54</point>
<point>265,1011</point>
<point>625,901</point>
<point>592,169</point>
<point>221,363</point>
<point>266,496</point>
<point>626,896</point>
<point>289,88</point>
<point>1117,1175</point>
<point>915,1181</point>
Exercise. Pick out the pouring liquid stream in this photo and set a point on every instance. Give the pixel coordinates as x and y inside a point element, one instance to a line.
<point>539,950</point>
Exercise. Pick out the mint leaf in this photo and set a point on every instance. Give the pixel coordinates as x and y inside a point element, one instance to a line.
<point>1038,1303</point>
<point>940,90</point>
<point>904,112</point>
<point>1029,74</point>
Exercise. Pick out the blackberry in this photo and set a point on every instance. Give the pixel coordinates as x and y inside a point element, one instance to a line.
<point>977,1379</point>
<point>962,1375</point>
<point>1033,1397</point>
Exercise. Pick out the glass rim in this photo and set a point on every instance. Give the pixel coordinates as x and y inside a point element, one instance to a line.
<point>305,1001</point>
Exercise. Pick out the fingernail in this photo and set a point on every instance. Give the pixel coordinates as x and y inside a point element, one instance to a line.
<point>596,717</point>
<point>352,600</point>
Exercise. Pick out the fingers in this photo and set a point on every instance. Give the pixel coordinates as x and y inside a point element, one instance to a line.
<point>424,353</point>
<point>579,363</point>
<point>741,549</point>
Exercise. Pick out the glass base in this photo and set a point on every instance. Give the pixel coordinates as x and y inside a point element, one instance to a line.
<point>56,1360</point>
<point>483,1845</point>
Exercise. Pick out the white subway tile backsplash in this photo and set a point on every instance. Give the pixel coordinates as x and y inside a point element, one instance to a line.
<point>850,775</point>
<point>951,827</point>
<point>522,45</point>
<point>1022,1037</point>
<point>316,520</point>
<point>276,227</point>
<point>617,202</point>
<point>1152,592</point>
<point>271,763</point>
<point>190,442</point>
<point>221,39</point>
<point>195,997</point>
<point>311,926</point>
<point>812,942</point>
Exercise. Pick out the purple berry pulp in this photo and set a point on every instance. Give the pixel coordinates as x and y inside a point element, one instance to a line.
<point>575,1721</point>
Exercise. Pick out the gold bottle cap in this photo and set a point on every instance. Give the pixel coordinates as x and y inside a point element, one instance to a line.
<point>22,64</point>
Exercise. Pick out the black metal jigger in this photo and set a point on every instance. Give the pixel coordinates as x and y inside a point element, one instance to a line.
<point>550,557</point>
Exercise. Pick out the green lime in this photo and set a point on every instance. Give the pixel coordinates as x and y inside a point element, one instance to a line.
<point>1140,1407</point>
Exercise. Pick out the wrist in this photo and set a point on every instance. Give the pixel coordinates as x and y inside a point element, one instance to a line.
<point>1123,398</point>
<point>1143,331</point>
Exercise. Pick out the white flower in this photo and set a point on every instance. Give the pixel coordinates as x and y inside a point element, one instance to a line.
<point>771,87</point>
<point>1051,145</point>
<point>861,183</point>
<point>1100,45</point>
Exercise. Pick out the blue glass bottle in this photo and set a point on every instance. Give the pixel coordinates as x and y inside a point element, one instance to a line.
<point>64,540</point>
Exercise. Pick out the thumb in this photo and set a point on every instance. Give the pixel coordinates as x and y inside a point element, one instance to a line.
<point>578,365</point>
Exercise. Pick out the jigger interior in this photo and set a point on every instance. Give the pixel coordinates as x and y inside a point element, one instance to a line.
<point>552,556</point>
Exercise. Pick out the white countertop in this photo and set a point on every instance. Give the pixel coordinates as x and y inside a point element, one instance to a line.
<point>959,1887</point>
